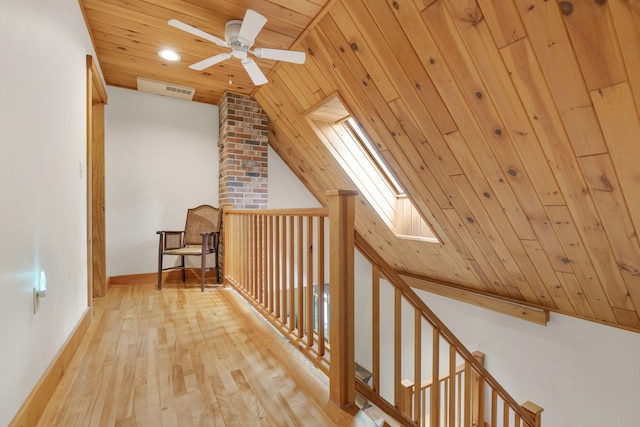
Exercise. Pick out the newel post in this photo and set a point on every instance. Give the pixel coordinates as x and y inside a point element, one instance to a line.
<point>342,386</point>
<point>534,411</point>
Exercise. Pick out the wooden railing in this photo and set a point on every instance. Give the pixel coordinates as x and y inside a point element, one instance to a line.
<point>276,260</point>
<point>478,400</point>
<point>457,401</point>
<point>452,407</point>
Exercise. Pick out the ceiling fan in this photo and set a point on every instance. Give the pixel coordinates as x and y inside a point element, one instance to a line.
<point>240,36</point>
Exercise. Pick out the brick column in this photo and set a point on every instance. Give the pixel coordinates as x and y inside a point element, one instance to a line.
<point>243,150</point>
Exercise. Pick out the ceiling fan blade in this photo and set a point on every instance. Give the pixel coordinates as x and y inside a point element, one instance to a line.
<point>255,73</point>
<point>206,63</point>
<point>293,56</point>
<point>251,26</point>
<point>196,32</point>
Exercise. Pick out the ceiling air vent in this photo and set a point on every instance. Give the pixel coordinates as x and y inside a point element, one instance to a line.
<point>166,89</point>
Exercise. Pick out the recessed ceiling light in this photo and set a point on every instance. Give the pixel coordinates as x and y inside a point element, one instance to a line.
<point>169,55</point>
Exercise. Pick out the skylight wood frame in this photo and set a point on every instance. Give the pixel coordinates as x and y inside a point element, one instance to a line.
<point>356,153</point>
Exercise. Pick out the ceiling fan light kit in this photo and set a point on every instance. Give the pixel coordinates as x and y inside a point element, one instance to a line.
<point>240,37</point>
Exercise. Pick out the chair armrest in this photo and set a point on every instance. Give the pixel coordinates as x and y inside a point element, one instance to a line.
<point>170,239</point>
<point>210,240</point>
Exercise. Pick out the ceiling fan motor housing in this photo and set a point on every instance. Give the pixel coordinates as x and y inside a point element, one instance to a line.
<point>239,47</point>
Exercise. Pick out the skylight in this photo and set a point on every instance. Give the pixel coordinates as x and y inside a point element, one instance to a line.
<point>375,157</point>
<point>361,160</point>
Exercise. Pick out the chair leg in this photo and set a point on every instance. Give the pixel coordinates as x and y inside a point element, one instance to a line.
<point>160,265</point>
<point>182,265</point>
<point>217,268</point>
<point>203,265</point>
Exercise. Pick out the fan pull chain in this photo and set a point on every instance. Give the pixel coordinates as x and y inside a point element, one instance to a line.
<point>230,82</point>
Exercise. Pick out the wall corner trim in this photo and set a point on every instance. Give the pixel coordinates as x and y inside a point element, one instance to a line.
<point>35,404</point>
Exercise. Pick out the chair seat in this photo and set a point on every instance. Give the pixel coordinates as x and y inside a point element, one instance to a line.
<point>184,251</point>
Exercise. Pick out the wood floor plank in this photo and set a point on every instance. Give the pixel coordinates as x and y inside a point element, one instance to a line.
<point>180,357</point>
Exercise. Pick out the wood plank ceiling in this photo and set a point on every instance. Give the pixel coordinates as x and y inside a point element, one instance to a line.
<point>513,126</point>
<point>128,34</point>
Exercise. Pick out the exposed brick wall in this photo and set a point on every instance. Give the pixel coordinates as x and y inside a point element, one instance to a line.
<point>243,151</point>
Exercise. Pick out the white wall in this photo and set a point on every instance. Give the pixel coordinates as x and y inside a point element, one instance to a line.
<point>43,207</point>
<point>161,158</point>
<point>285,189</point>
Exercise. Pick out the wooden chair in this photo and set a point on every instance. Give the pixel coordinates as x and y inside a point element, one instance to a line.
<point>201,237</point>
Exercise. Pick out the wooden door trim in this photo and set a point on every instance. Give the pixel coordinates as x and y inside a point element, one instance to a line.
<point>96,97</point>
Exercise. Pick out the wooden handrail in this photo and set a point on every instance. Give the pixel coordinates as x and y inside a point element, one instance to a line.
<point>323,212</point>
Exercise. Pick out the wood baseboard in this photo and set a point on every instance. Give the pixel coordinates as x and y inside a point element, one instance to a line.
<point>36,402</point>
<point>134,279</point>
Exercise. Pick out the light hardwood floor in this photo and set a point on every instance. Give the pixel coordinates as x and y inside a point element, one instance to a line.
<point>180,357</point>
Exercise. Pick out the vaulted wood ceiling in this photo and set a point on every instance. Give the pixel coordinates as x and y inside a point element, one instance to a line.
<point>513,125</point>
